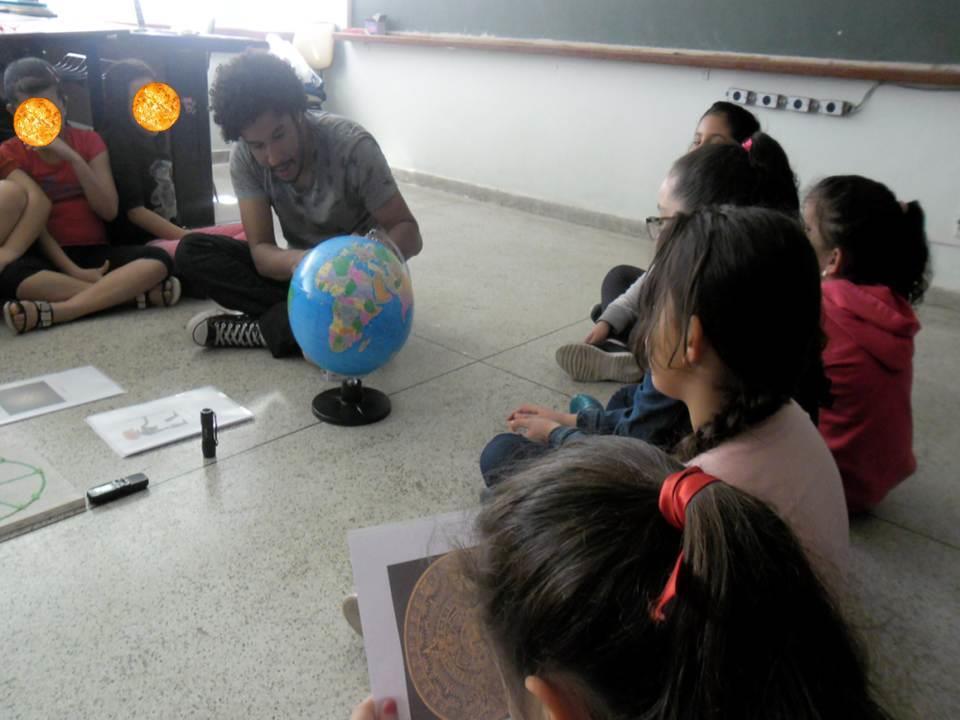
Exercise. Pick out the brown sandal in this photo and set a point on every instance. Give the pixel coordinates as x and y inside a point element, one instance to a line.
<point>14,308</point>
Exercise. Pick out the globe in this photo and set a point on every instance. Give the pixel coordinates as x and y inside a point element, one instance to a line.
<point>351,304</point>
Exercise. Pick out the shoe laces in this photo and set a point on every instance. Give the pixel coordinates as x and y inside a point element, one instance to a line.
<point>237,332</point>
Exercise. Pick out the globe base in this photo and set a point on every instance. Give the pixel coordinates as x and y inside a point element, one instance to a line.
<point>351,404</point>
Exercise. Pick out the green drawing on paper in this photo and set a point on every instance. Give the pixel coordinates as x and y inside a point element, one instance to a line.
<point>21,485</point>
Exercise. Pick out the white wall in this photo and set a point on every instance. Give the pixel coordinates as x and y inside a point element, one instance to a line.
<point>600,135</point>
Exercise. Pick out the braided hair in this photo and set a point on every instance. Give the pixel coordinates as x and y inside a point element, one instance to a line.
<point>751,277</point>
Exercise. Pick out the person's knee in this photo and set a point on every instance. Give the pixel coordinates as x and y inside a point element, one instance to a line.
<point>498,453</point>
<point>159,256</point>
<point>624,272</point>
<point>192,250</point>
<point>13,198</point>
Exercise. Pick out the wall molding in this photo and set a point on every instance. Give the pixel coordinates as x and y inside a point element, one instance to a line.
<point>948,75</point>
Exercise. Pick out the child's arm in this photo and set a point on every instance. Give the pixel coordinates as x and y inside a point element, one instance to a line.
<point>32,221</point>
<point>51,248</point>
<point>95,178</point>
<point>622,312</point>
<point>155,224</point>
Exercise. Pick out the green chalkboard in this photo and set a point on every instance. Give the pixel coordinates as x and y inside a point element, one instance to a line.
<point>919,31</point>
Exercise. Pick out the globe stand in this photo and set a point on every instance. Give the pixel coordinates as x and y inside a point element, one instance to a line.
<point>351,404</point>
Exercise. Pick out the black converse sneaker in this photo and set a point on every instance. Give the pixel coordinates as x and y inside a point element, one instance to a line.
<point>215,328</point>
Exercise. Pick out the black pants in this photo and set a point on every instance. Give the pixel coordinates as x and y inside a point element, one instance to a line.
<point>34,260</point>
<point>615,283</point>
<point>223,268</point>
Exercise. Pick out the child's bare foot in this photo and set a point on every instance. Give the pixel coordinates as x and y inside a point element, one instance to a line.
<point>165,294</point>
<point>22,316</point>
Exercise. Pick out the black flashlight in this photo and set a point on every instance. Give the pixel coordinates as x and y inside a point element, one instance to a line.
<point>208,432</point>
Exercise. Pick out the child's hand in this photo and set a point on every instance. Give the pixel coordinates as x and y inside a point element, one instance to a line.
<point>367,710</point>
<point>599,333</point>
<point>533,427</point>
<point>91,275</point>
<point>528,409</point>
<point>538,410</point>
<point>60,148</point>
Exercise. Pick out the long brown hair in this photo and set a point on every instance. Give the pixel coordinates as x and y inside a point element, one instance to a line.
<point>752,278</point>
<point>573,552</point>
<point>117,103</point>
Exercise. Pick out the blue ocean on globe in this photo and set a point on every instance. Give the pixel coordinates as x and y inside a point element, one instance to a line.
<point>351,304</point>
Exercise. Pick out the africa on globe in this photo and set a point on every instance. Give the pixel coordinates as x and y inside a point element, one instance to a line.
<point>351,304</point>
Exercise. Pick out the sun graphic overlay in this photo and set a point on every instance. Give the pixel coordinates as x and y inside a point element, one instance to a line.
<point>37,122</point>
<point>156,107</point>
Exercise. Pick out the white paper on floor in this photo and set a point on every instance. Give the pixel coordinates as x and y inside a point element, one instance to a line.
<point>57,391</point>
<point>32,492</point>
<point>136,428</point>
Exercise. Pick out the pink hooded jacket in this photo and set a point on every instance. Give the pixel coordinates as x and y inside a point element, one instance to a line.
<point>869,360</point>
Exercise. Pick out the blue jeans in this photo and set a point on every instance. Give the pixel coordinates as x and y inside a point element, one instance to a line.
<point>638,411</point>
<point>503,452</point>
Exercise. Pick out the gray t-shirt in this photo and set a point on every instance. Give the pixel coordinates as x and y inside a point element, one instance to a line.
<point>352,180</point>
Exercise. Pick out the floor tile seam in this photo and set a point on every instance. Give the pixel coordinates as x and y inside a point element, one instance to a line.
<point>445,347</point>
<point>913,531</point>
<point>239,453</point>
<point>485,358</point>
<point>288,434</point>
<point>526,379</point>
<point>420,383</point>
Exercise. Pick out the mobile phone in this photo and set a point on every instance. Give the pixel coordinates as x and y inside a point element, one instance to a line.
<point>117,488</point>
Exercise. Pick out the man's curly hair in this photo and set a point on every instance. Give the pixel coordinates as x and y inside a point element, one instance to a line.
<point>251,84</point>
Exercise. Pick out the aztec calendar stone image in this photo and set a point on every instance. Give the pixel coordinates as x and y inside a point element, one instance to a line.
<point>449,662</point>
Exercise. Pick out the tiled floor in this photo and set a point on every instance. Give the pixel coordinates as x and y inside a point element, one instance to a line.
<point>216,593</point>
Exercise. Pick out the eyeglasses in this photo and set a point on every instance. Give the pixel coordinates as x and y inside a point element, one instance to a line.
<point>655,225</point>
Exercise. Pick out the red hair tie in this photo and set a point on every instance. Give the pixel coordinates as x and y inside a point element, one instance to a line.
<point>675,495</point>
<point>747,144</point>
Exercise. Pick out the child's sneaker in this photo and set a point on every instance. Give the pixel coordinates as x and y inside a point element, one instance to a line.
<point>581,401</point>
<point>590,363</point>
<point>215,328</point>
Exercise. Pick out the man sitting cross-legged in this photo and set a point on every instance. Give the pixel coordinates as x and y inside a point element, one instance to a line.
<point>323,175</point>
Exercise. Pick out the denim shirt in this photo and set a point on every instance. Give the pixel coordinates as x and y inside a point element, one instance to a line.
<point>650,416</point>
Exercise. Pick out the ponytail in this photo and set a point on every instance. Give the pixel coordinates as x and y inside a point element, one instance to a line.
<point>915,255</point>
<point>575,554</point>
<point>776,183</point>
<point>744,568</point>
<point>883,242</point>
<point>755,173</point>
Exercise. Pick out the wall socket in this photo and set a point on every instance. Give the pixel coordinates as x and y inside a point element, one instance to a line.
<point>740,96</point>
<point>794,103</point>
<point>834,107</point>
<point>769,100</point>
<point>800,104</point>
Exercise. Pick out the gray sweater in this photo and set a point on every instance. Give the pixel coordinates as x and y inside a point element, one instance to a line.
<point>622,312</point>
